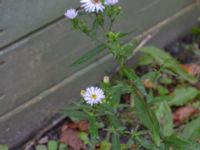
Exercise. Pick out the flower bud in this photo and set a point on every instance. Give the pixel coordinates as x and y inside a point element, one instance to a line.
<point>106,79</point>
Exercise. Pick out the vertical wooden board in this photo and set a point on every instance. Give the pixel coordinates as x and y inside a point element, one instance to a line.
<point>20,17</point>
<point>42,59</point>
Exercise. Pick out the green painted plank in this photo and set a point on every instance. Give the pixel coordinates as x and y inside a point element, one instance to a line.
<point>22,17</point>
<point>19,124</point>
<point>42,59</point>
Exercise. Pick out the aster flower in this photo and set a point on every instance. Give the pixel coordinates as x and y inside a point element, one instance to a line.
<point>93,95</point>
<point>71,13</point>
<point>92,5</point>
<point>111,2</point>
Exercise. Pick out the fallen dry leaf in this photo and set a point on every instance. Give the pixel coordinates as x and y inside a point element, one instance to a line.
<point>184,113</point>
<point>71,138</point>
<point>83,126</point>
<point>192,69</point>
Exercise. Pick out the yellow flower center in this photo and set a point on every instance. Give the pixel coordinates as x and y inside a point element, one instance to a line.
<point>95,1</point>
<point>94,96</point>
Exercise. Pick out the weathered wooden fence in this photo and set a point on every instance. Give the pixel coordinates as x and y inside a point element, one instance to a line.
<point>37,46</point>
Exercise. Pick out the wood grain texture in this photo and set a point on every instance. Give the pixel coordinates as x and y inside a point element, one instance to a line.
<point>42,59</point>
<point>21,17</point>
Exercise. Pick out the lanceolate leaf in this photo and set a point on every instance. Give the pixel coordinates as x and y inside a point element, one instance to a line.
<point>179,144</point>
<point>148,118</point>
<point>192,130</point>
<point>167,61</point>
<point>76,115</point>
<point>164,115</point>
<point>89,55</point>
<point>135,79</point>
<point>182,95</point>
<point>115,142</point>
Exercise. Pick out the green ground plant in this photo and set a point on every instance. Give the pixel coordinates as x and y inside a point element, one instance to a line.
<point>101,105</point>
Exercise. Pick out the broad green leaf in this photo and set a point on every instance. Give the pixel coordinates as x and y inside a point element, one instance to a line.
<point>162,90</point>
<point>52,145</point>
<point>41,147</point>
<point>165,80</point>
<point>164,115</point>
<point>180,144</point>
<point>145,143</point>
<point>89,55</point>
<point>63,147</point>
<point>145,60</point>
<point>196,31</point>
<point>3,147</point>
<point>192,130</point>
<point>152,76</point>
<point>182,95</point>
<point>165,60</point>
<point>75,115</point>
<point>130,74</point>
<point>116,142</point>
<point>84,137</point>
<point>148,118</point>
<point>116,92</point>
<point>105,145</point>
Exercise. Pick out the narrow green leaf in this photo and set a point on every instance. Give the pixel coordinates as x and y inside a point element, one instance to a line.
<point>130,74</point>
<point>192,130</point>
<point>93,130</point>
<point>116,142</point>
<point>89,55</point>
<point>41,147</point>
<point>164,115</point>
<point>75,115</point>
<point>164,59</point>
<point>148,118</point>
<point>52,145</point>
<point>182,95</point>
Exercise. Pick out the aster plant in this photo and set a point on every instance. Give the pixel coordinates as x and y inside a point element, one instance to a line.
<point>101,105</point>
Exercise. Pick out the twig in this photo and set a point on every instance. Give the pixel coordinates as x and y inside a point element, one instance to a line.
<point>31,143</point>
<point>144,42</point>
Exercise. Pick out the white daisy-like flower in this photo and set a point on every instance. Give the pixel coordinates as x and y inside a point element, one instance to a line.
<point>92,5</point>
<point>71,13</point>
<point>93,95</point>
<point>111,2</point>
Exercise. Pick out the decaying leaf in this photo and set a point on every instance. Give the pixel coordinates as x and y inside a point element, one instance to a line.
<point>184,113</point>
<point>71,138</point>
<point>192,69</point>
<point>81,126</point>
